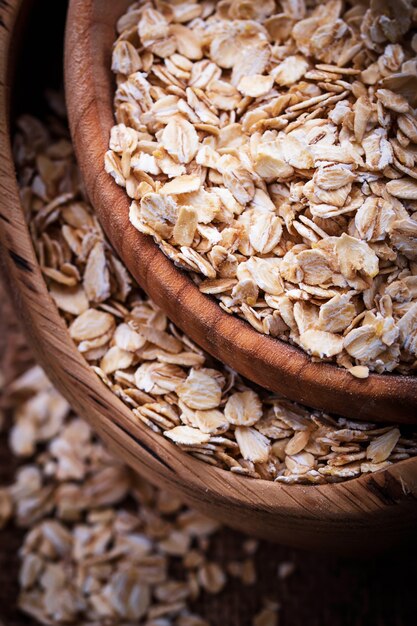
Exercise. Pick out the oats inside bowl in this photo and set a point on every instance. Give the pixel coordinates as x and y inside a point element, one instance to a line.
<point>269,148</point>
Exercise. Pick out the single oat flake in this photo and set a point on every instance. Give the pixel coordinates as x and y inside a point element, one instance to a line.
<point>271,151</point>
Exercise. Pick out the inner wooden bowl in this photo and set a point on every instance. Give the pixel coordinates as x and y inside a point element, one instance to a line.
<point>373,512</point>
<point>269,362</point>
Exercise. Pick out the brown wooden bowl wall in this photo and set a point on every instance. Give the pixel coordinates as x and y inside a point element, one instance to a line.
<point>366,514</point>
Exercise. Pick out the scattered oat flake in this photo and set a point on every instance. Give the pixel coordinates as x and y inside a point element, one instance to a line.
<point>253,445</point>
<point>380,448</point>
<point>267,617</point>
<point>181,184</point>
<point>187,436</point>
<point>286,569</point>
<point>91,324</point>
<point>200,391</point>
<point>243,408</point>
<point>256,85</point>
<point>211,577</point>
<point>359,371</point>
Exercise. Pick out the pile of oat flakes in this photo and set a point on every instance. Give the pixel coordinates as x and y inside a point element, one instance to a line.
<point>101,545</point>
<point>170,385</point>
<point>270,149</point>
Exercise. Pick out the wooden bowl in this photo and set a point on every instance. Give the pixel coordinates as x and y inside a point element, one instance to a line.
<point>269,362</point>
<point>373,512</point>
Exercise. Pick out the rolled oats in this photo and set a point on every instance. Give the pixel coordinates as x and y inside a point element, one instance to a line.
<point>271,151</point>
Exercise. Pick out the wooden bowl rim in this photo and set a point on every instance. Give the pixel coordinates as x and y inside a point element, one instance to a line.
<point>157,458</point>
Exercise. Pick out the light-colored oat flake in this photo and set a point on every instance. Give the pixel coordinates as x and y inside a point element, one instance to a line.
<point>271,148</point>
<point>169,383</point>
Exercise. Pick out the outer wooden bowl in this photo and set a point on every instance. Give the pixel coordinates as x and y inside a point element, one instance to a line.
<point>373,512</point>
<point>269,362</point>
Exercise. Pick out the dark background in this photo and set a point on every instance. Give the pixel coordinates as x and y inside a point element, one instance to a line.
<point>323,591</point>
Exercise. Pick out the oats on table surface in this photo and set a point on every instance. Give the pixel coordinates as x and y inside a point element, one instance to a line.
<point>271,151</point>
<point>101,545</point>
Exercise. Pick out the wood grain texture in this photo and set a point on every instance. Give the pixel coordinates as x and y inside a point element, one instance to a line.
<point>369,513</point>
<point>268,362</point>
